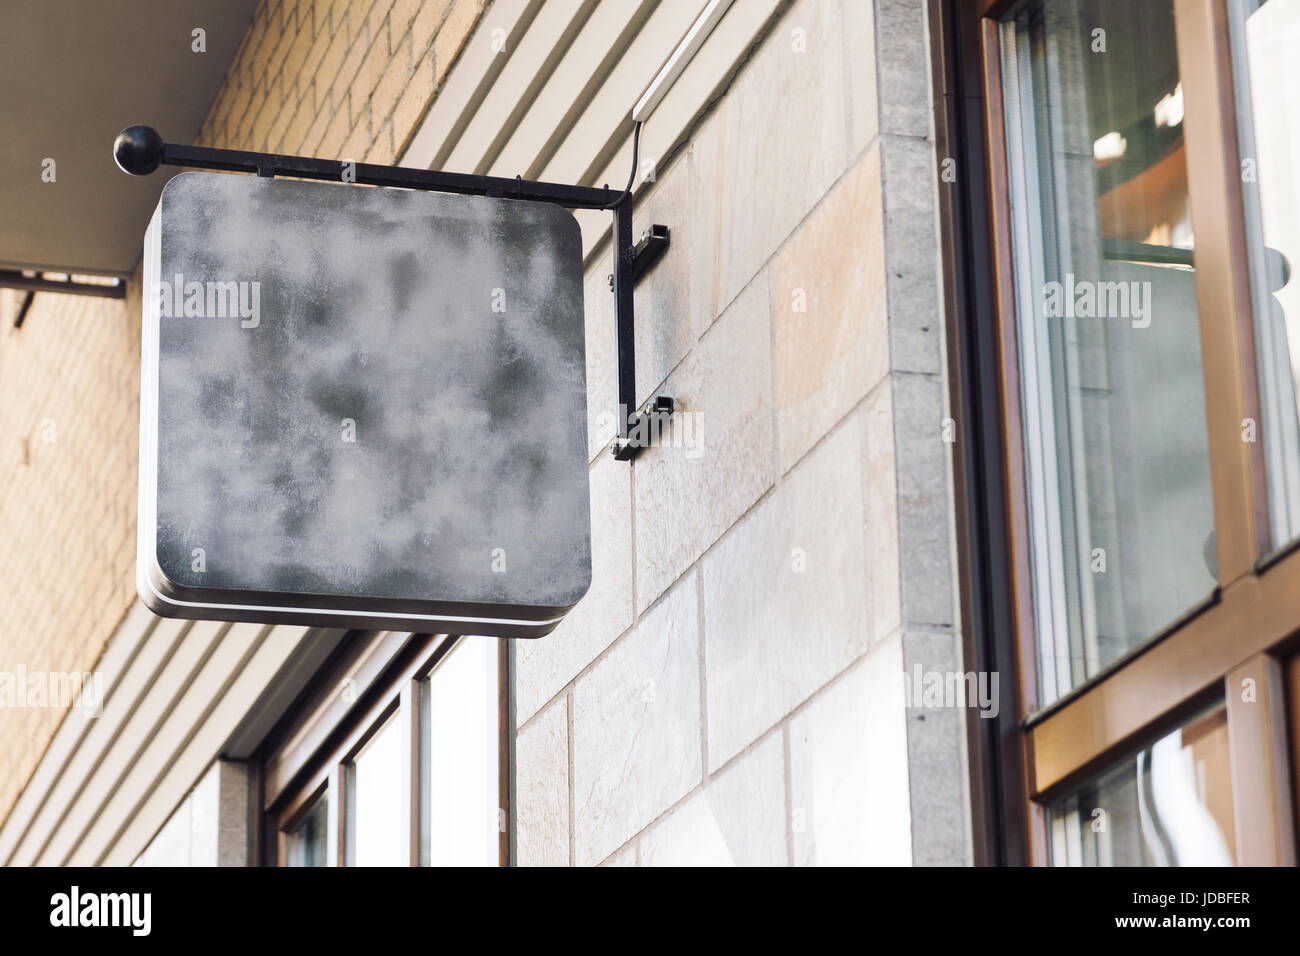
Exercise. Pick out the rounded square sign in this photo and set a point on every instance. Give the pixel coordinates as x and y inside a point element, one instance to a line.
<point>362,408</point>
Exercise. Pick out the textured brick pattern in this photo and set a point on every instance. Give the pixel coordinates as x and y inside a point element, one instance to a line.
<point>69,414</point>
<point>348,79</point>
<point>341,80</point>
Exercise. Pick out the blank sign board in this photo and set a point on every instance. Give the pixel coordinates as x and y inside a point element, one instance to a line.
<point>362,408</point>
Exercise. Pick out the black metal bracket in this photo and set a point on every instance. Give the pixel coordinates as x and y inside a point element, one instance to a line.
<point>639,428</point>
<point>652,244</point>
<point>33,281</point>
<point>139,150</point>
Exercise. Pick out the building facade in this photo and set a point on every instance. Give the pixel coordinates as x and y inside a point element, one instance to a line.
<point>946,557</point>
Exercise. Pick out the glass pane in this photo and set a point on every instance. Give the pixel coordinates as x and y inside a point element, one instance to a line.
<point>305,841</point>
<point>375,801</point>
<point>1113,404</point>
<point>460,782</point>
<point>1265,40</point>
<point>1171,805</point>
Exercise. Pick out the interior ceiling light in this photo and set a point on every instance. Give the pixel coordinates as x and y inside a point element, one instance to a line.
<point>1110,146</point>
<point>1169,111</point>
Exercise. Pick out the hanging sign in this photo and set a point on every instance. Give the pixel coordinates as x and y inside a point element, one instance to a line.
<point>362,408</point>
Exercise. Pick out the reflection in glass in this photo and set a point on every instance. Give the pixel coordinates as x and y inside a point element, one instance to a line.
<point>1171,805</point>
<point>460,781</point>
<point>374,826</point>
<point>1112,403</point>
<point>305,842</point>
<point>1265,37</point>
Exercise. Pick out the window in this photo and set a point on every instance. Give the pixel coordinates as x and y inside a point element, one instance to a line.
<point>1109,327</point>
<point>374,802</point>
<point>1118,470</point>
<point>460,715</point>
<point>399,755</point>
<point>305,839</point>
<point>1170,805</point>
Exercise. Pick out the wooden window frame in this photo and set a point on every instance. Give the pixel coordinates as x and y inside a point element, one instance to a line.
<point>374,678</point>
<point>1250,626</point>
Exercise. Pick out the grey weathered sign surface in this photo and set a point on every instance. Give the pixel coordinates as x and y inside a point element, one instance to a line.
<point>362,408</point>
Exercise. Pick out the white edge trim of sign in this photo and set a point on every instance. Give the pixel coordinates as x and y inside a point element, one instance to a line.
<point>144,578</point>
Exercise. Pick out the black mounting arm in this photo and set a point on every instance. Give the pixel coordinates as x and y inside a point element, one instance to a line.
<point>139,150</point>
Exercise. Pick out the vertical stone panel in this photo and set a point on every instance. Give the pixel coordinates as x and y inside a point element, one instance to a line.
<point>542,809</point>
<point>784,597</point>
<point>636,727</point>
<point>849,769</point>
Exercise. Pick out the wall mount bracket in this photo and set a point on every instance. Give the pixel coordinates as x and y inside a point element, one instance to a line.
<point>139,150</point>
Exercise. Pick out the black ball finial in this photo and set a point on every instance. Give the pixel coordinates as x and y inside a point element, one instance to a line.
<point>138,150</point>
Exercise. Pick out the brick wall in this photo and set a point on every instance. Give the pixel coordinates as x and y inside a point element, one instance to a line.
<point>69,421</point>
<point>341,80</point>
<point>348,79</point>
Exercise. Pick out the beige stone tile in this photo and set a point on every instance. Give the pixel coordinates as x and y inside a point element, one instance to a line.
<point>880,503</point>
<point>717,458</point>
<point>785,605</point>
<point>784,141</point>
<point>859,37</point>
<point>828,300</point>
<point>542,788</point>
<point>677,300</point>
<point>739,819</point>
<point>848,768</point>
<point>636,727</point>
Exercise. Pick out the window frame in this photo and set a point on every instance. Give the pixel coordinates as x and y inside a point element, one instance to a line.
<point>373,678</point>
<point>1285,473</point>
<point>1249,625</point>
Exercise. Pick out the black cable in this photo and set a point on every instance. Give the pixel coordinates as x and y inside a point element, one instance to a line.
<point>636,148</point>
